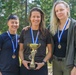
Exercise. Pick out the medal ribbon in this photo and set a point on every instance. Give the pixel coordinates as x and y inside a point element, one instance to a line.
<point>13,45</point>
<point>59,37</point>
<point>36,40</point>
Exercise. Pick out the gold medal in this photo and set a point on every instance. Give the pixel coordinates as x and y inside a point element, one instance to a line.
<point>59,46</point>
<point>13,56</point>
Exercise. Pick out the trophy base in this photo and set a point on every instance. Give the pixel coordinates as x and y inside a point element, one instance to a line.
<point>32,67</point>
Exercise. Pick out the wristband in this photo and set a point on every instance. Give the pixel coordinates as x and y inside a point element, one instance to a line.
<point>44,62</point>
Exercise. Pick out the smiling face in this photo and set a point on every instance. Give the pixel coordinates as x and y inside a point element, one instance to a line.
<point>35,18</point>
<point>13,25</point>
<point>61,11</point>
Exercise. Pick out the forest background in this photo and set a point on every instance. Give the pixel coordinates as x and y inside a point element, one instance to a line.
<point>22,8</point>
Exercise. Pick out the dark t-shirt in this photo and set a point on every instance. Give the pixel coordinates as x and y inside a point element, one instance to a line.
<point>60,52</point>
<point>25,38</point>
<point>7,63</point>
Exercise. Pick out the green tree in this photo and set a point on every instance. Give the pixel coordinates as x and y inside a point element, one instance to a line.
<point>46,6</point>
<point>21,8</point>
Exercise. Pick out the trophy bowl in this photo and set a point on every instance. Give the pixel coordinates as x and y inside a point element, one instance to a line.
<point>34,48</point>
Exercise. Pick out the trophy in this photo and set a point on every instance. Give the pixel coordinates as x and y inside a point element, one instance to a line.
<point>34,48</point>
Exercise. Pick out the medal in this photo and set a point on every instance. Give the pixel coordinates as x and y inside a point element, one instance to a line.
<point>60,35</point>
<point>14,45</point>
<point>59,46</point>
<point>13,56</point>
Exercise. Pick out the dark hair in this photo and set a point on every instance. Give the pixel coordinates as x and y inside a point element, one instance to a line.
<point>42,23</point>
<point>13,16</point>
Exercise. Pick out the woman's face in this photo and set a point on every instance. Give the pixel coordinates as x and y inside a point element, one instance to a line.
<point>13,24</point>
<point>61,11</point>
<point>35,18</point>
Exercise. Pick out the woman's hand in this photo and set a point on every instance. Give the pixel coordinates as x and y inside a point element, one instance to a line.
<point>39,65</point>
<point>26,28</point>
<point>73,72</point>
<point>25,63</point>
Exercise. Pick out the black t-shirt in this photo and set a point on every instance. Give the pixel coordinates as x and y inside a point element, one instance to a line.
<point>60,52</point>
<point>7,63</point>
<point>25,38</point>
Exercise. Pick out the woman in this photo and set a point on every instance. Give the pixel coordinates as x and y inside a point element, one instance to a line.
<point>9,61</point>
<point>42,36</point>
<point>63,29</point>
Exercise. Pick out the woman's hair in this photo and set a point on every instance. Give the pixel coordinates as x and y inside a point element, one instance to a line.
<point>13,16</point>
<point>42,23</point>
<point>54,20</point>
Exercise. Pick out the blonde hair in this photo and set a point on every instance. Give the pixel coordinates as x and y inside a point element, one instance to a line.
<point>54,20</point>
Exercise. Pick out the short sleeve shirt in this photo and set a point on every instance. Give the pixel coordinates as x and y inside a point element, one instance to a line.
<point>7,63</point>
<point>25,38</point>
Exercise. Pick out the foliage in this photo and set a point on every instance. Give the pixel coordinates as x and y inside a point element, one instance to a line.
<point>45,6</point>
<point>21,8</point>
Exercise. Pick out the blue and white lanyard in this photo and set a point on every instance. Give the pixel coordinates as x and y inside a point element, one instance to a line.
<point>59,37</point>
<point>34,41</point>
<point>13,45</point>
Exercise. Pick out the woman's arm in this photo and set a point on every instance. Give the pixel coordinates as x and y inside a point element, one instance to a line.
<point>0,73</point>
<point>24,62</point>
<point>73,71</point>
<point>49,54</point>
<point>21,52</point>
<point>47,57</point>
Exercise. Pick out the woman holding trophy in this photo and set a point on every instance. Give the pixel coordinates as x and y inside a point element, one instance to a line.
<point>33,43</point>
